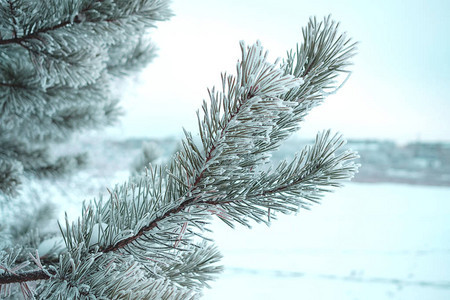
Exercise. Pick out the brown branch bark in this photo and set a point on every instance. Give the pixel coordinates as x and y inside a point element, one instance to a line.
<point>13,85</point>
<point>23,277</point>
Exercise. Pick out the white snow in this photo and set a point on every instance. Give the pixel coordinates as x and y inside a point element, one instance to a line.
<point>97,232</point>
<point>51,245</point>
<point>366,241</point>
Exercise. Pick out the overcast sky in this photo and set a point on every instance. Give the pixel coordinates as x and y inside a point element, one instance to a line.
<point>399,88</point>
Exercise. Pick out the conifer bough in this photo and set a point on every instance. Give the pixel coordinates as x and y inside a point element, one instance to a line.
<point>57,61</point>
<point>146,241</point>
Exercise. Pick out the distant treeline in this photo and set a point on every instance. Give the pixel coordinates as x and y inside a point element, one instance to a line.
<point>381,161</point>
<point>415,163</point>
<point>386,161</point>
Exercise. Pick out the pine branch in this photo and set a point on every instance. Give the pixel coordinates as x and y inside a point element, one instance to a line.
<point>10,176</point>
<point>196,268</point>
<point>245,109</point>
<point>80,275</point>
<point>140,53</point>
<point>142,225</point>
<point>11,10</point>
<point>312,172</point>
<point>93,12</point>
<point>23,277</point>
<point>150,152</point>
<point>64,108</point>
<point>214,136</point>
<point>11,85</point>
<point>35,34</point>
<point>58,62</point>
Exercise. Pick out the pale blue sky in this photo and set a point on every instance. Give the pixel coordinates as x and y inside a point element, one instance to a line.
<point>399,88</point>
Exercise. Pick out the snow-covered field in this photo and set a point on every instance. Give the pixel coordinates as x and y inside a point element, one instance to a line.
<point>366,241</point>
